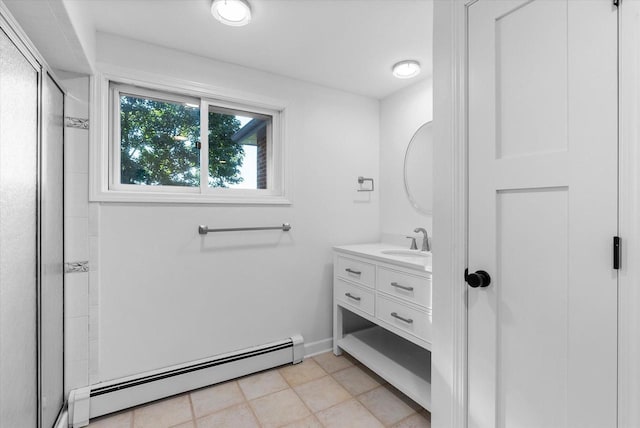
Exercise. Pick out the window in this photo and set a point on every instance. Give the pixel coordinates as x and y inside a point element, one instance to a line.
<point>238,145</point>
<point>159,141</point>
<point>170,146</point>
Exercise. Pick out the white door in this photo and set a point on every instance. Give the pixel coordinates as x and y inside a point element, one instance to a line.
<point>543,213</point>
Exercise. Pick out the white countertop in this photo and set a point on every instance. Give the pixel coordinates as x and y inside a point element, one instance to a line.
<point>375,251</point>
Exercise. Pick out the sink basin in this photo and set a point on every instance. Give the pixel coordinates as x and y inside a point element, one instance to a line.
<point>410,256</point>
<point>407,253</point>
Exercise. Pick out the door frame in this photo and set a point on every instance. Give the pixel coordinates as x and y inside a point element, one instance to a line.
<point>449,363</point>
<point>449,359</point>
<point>629,212</point>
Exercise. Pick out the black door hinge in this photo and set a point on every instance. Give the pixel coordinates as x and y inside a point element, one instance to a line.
<point>616,252</point>
<point>616,3</point>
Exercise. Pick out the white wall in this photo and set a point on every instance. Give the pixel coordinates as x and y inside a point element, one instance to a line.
<point>168,295</point>
<point>401,114</point>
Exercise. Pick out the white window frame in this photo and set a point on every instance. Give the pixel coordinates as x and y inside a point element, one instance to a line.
<point>104,175</point>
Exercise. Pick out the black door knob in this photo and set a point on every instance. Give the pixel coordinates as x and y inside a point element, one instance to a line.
<point>477,279</point>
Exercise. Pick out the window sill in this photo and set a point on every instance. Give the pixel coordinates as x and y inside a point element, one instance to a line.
<point>188,198</point>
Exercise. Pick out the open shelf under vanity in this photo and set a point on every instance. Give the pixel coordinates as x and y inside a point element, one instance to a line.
<point>398,361</point>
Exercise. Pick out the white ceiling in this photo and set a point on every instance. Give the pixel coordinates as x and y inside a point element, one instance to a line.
<point>344,44</point>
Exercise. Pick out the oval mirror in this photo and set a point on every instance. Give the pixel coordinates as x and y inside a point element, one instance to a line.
<point>418,169</point>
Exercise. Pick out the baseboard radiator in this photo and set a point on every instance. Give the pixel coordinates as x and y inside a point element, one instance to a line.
<point>108,397</point>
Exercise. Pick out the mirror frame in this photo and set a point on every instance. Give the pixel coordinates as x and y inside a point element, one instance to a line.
<point>407,188</point>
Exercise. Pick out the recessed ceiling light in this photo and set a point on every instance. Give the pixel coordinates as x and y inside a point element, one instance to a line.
<point>406,69</point>
<point>235,13</point>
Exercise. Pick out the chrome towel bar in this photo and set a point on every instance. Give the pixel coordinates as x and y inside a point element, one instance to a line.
<point>203,230</point>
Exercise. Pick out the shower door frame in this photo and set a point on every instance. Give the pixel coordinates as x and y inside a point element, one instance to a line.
<point>24,45</point>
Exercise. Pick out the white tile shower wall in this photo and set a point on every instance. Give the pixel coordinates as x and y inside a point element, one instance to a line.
<point>401,114</point>
<point>94,292</point>
<point>76,245</point>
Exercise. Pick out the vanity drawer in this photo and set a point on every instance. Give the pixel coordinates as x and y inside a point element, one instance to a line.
<point>354,270</point>
<point>413,321</point>
<point>355,296</point>
<point>416,289</point>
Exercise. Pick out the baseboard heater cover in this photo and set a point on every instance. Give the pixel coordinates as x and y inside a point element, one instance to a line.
<point>108,397</point>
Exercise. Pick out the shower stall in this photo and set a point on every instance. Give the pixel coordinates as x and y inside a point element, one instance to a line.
<point>31,235</point>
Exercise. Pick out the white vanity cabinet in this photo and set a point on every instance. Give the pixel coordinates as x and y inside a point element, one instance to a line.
<point>392,293</point>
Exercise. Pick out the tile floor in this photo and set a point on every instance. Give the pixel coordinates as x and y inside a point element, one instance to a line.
<point>323,391</point>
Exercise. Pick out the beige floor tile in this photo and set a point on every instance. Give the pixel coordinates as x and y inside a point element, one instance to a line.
<point>116,420</point>
<point>373,375</point>
<point>351,359</point>
<point>386,405</point>
<point>308,422</point>
<point>408,401</point>
<point>189,424</point>
<point>330,363</point>
<point>356,380</point>
<point>303,372</point>
<point>262,384</point>
<point>210,400</point>
<point>239,416</point>
<point>163,414</point>
<point>416,420</point>
<point>279,408</point>
<point>350,414</point>
<point>322,393</point>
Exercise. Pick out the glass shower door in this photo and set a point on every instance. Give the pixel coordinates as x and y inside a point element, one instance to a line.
<point>18,236</point>
<point>51,253</point>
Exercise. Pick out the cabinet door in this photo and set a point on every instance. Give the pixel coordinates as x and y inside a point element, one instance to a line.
<point>18,232</point>
<point>542,213</point>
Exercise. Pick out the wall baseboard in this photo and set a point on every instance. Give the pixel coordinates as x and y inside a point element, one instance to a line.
<point>319,347</point>
<point>109,397</point>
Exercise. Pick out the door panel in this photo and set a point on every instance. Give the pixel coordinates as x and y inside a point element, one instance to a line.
<point>542,213</point>
<point>18,229</point>
<point>531,71</point>
<point>52,262</point>
<point>533,306</point>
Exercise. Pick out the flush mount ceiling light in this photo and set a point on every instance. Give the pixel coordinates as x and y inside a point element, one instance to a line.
<point>235,13</point>
<point>406,69</point>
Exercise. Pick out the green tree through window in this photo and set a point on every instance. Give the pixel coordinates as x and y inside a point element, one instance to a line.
<point>158,144</point>
<point>225,155</point>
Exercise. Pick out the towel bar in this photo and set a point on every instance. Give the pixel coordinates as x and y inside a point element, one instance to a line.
<point>203,230</point>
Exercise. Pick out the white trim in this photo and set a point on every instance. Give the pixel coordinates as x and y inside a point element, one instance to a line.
<point>63,420</point>
<point>100,153</point>
<point>629,212</point>
<point>449,359</point>
<point>318,347</point>
<point>79,407</point>
<point>204,141</point>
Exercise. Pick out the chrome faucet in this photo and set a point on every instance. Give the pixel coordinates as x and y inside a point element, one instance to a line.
<point>413,243</point>
<point>425,238</point>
